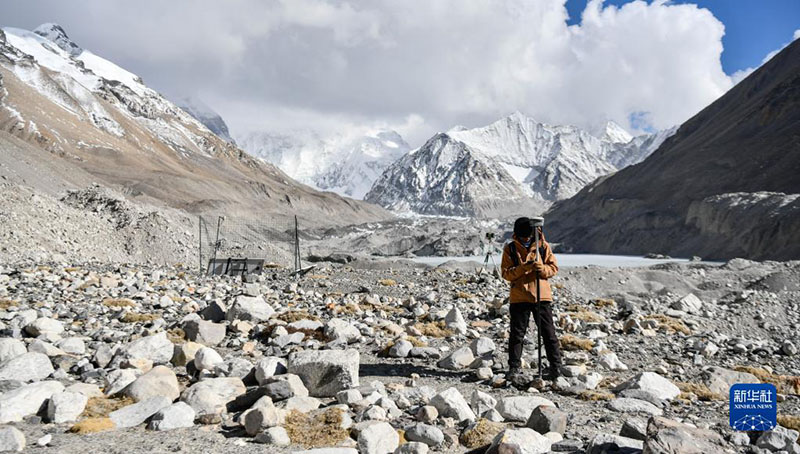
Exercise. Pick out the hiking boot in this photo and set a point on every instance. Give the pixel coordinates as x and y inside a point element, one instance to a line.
<point>513,373</point>
<point>552,373</point>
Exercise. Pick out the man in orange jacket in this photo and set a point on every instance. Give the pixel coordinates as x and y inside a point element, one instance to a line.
<point>521,266</point>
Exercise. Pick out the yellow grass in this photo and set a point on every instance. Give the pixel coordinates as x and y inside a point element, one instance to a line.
<point>570,342</point>
<point>464,295</point>
<point>294,316</point>
<point>701,391</point>
<point>118,302</point>
<point>594,395</point>
<point>6,303</point>
<point>387,282</point>
<point>176,336</point>
<point>100,407</point>
<point>317,431</point>
<point>786,384</point>
<point>92,425</point>
<point>134,317</point>
<point>433,329</point>
<point>586,316</point>
<point>604,302</point>
<point>670,324</point>
<point>480,435</point>
<point>789,422</point>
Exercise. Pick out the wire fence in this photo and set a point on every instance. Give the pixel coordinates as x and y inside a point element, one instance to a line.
<point>273,241</point>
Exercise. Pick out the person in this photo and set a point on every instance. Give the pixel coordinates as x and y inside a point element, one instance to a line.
<point>521,266</point>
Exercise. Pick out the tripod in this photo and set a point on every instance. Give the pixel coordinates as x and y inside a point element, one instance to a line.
<point>538,223</point>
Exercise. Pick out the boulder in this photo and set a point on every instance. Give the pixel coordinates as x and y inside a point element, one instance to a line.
<point>262,416</point>
<point>65,407</point>
<point>119,379</point>
<point>26,400</point>
<point>424,433</point>
<point>10,348</point>
<point>689,303</point>
<point>159,381</point>
<point>276,436</point>
<point>628,405</point>
<point>778,439</point>
<point>326,372</point>
<point>665,436</point>
<point>210,396</point>
<point>266,367</point>
<point>401,349</point>
<point>249,308</point>
<point>412,447</point>
<point>204,332</point>
<point>719,380</point>
<point>459,359</point>
<point>482,402</point>
<point>482,346</point>
<point>207,359</point>
<point>135,414</point>
<point>156,348</point>
<point>520,441</point>
<point>176,416</point>
<point>653,383</point>
<point>450,403</point>
<point>611,361</point>
<point>341,330</point>
<point>27,367</point>
<point>72,345</point>
<point>546,419</point>
<point>455,321</point>
<point>608,443</point>
<point>520,408</point>
<point>44,326</point>
<point>378,438</point>
<point>11,439</point>
<point>184,353</point>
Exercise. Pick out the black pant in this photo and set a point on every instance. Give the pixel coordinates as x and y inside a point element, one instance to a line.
<point>520,317</point>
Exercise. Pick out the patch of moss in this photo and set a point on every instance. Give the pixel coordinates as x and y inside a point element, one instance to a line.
<point>176,335</point>
<point>586,316</point>
<point>570,342</point>
<point>604,302</point>
<point>317,430</point>
<point>480,434</point>
<point>294,316</point>
<point>790,422</point>
<point>6,303</point>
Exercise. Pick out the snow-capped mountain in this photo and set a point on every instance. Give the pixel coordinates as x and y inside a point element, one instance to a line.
<point>490,170</point>
<point>91,117</point>
<point>206,115</point>
<point>343,164</point>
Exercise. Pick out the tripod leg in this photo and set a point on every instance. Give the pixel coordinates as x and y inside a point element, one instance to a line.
<point>538,302</point>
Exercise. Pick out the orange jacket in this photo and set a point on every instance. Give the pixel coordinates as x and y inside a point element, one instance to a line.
<point>521,274</point>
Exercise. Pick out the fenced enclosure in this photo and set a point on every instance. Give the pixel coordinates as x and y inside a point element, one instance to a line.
<point>236,246</point>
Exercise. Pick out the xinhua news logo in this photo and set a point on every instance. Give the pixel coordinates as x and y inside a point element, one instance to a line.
<point>753,406</point>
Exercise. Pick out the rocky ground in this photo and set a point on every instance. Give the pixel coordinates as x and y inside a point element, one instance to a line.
<point>385,356</point>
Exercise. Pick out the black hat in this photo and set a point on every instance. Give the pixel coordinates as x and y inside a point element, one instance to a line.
<point>523,228</point>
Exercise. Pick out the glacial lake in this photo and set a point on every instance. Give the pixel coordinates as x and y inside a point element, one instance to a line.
<point>565,260</point>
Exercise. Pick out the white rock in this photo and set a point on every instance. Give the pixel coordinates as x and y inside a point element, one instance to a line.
<point>209,396</point>
<point>455,321</point>
<point>11,439</point>
<point>378,438</point>
<point>44,441</point>
<point>628,405</point>
<point>249,308</point>
<point>156,348</point>
<point>482,402</point>
<point>482,346</point>
<point>412,447</point>
<point>204,332</point>
<point>72,345</point>
<point>135,414</point>
<point>46,348</point>
<point>611,362</point>
<point>207,358</point>
<point>26,400</point>
<point>451,403</point>
<point>274,436</point>
<point>338,329</point>
<point>11,348</point>
<point>31,366</point>
<point>519,408</point>
<point>176,416</point>
<point>326,372</point>
<point>778,439</point>
<point>184,353</point>
<point>263,417</point>
<point>652,383</point>
<point>328,451</point>
<point>159,381</point>
<point>689,303</point>
<point>119,379</point>
<point>400,349</point>
<point>65,407</point>
<point>459,359</point>
<point>269,366</point>
<point>46,326</point>
<point>301,404</point>
<point>520,441</point>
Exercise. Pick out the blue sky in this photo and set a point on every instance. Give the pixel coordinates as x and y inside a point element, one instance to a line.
<point>753,28</point>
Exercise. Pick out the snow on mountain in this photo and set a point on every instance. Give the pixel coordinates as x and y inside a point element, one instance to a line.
<point>206,115</point>
<point>345,164</point>
<point>517,157</point>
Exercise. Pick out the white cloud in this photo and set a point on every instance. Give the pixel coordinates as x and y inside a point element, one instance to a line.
<point>416,65</point>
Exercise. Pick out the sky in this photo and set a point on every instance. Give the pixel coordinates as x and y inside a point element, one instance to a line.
<point>422,66</point>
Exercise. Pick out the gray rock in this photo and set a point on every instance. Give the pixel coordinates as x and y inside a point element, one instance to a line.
<point>608,444</point>
<point>482,402</point>
<point>11,439</point>
<point>412,447</point>
<point>210,396</point>
<point>546,419</point>
<point>31,366</point>
<point>641,394</point>
<point>628,405</point>
<point>778,439</point>
<point>378,438</point>
<point>156,348</point>
<point>341,330</point>
<point>72,345</point>
<point>276,436</point>
<point>249,308</point>
<point>207,359</point>
<point>176,416</point>
<point>719,380</point>
<point>26,400</point>
<point>401,349</point>
<point>665,436</point>
<point>424,433</point>
<point>326,372</point>
<point>634,428</point>
<point>520,441</point>
<point>65,407</point>
<point>520,408</point>
<point>328,451</point>
<point>261,417</point>
<point>450,403</point>
<point>135,414</point>
<point>11,348</point>
<point>482,346</point>
<point>689,303</point>
<point>348,396</point>
<point>215,311</point>
<point>740,439</point>
<point>269,366</point>
<point>119,379</point>
<point>184,353</point>
<point>204,332</point>
<point>455,321</point>
<point>44,326</point>
<point>459,359</point>
<point>611,361</point>
<point>652,382</point>
<point>159,381</point>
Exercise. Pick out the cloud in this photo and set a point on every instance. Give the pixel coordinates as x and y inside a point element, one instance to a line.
<point>416,65</point>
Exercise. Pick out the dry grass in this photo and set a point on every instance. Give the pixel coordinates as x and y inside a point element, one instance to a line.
<point>570,342</point>
<point>318,430</point>
<point>71,269</point>
<point>586,316</point>
<point>604,302</point>
<point>414,341</point>
<point>317,334</point>
<point>464,295</point>
<point>294,316</point>
<point>176,335</point>
<point>433,329</point>
<point>701,391</point>
<point>670,324</point>
<point>6,303</point>
<point>789,422</point>
<point>480,435</point>
<point>387,282</point>
<point>118,302</point>
<point>100,407</point>
<point>786,384</point>
<point>365,306</point>
<point>590,395</point>
<point>317,276</point>
<point>135,317</point>
<point>92,425</point>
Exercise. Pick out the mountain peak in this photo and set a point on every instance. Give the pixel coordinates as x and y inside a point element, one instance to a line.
<point>57,35</point>
<point>615,133</point>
